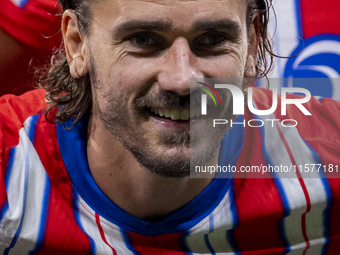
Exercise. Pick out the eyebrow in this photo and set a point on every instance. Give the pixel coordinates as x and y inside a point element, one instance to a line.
<point>224,24</point>
<point>158,25</point>
<point>166,25</point>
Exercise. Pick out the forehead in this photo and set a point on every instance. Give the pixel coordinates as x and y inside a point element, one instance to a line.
<point>182,14</point>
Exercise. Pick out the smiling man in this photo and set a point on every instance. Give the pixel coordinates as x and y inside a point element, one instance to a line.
<point>154,50</point>
<point>113,175</point>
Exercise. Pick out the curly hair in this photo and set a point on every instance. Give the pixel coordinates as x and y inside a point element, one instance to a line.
<point>73,97</point>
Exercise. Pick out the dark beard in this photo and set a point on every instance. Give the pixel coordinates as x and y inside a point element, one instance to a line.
<point>125,128</point>
<point>117,123</point>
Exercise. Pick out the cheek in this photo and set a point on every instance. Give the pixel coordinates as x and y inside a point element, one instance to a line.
<point>230,64</point>
<point>135,75</point>
<point>122,80</point>
<point>125,85</point>
<point>224,67</point>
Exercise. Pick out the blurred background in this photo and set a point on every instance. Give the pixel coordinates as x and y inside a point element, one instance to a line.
<point>28,35</point>
<point>311,27</point>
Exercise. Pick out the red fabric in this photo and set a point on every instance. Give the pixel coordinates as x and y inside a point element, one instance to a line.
<point>3,167</point>
<point>305,192</point>
<point>61,225</point>
<point>164,244</point>
<point>13,117</point>
<point>249,199</point>
<point>11,121</point>
<point>35,24</point>
<point>334,222</point>
<point>102,235</point>
<point>320,17</point>
<point>320,130</point>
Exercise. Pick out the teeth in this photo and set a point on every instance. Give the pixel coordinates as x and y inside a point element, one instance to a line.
<point>198,111</point>
<point>192,113</point>
<point>177,114</point>
<point>185,115</point>
<point>167,113</point>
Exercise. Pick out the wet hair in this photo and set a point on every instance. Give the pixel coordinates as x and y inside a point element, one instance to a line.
<point>70,97</point>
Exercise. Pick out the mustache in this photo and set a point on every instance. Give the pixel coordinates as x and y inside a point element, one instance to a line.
<point>172,100</point>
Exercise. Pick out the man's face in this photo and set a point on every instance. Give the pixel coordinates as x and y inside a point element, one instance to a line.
<point>143,54</point>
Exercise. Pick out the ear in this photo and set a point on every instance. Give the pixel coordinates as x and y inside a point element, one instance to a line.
<point>253,43</point>
<point>75,46</point>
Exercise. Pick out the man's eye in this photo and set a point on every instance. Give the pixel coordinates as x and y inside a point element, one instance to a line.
<point>143,40</point>
<point>215,39</point>
<point>210,40</point>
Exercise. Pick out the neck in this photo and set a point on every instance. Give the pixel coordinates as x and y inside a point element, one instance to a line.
<point>129,185</point>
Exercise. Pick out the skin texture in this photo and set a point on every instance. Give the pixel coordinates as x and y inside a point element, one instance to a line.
<point>143,54</point>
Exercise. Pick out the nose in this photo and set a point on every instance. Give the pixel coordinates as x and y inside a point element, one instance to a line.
<point>179,65</point>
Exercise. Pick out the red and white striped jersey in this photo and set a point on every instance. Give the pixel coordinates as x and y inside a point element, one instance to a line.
<point>50,204</point>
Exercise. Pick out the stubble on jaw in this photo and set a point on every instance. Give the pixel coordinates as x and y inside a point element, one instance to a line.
<point>120,121</point>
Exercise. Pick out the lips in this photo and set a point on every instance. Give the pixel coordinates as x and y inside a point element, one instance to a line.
<point>173,114</point>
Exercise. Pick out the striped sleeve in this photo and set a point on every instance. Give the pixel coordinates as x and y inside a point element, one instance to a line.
<point>321,130</point>
<point>37,200</point>
<point>3,193</point>
<point>12,116</point>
